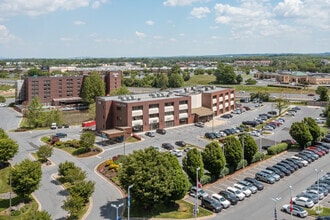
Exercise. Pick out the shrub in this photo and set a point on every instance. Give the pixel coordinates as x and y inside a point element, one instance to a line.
<point>112,165</point>
<point>224,171</point>
<point>259,156</point>
<point>80,150</point>
<point>241,164</point>
<point>59,144</point>
<point>276,149</point>
<point>72,143</point>
<point>15,213</point>
<point>206,178</point>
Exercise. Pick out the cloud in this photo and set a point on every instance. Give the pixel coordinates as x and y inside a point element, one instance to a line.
<point>180,2</point>
<point>78,22</point>
<point>38,7</point>
<point>66,39</point>
<point>149,22</point>
<point>140,35</point>
<point>5,35</point>
<point>200,12</point>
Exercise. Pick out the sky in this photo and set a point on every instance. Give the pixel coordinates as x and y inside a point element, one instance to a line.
<point>161,28</point>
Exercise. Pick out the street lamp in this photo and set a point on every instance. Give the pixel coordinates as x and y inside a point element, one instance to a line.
<point>129,200</point>
<point>196,195</point>
<point>275,200</point>
<point>117,207</point>
<point>213,122</point>
<point>291,205</point>
<point>243,149</point>
<point>318,189</point>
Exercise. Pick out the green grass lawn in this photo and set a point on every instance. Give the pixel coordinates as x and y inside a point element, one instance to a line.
<point>180,210</point>
<point>324,211</point>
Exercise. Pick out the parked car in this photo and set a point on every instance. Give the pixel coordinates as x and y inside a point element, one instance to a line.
<point>238,193</point>
<point>264,177</point>
<point>297,162</point>
<point>199,192</point>
<point>167,146</point>
<point>199,124</point>
<point>177,153</point>
<point>303,201</point>
<point>224,202</point>
<point>255,182</point>
<point>66,125</point>
<point>227,116</point>
<point>210,135</point>
<point>231,197</point>
<point>211,204</point>
<point>161,131</point>
<point>180,143</point>
<point>308,195</point>
<point>243,189</point>
<point>296,210</point>
<point>277,171</point>
<point>61,135</point>
<point>251,187</point>
<point>150,134</point>
<point>283,169</point>
<point>272,174</point>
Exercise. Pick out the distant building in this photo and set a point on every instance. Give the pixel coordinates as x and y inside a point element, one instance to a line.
<point>149,111</point>
<point>59,90</point>
<point>252,63</point>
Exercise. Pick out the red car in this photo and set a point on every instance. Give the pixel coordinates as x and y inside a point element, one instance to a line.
<point>315,151</point>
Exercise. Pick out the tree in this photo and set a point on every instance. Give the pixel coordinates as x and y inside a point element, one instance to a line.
<point>239,79</point>
<point>250,81</point>
<point>83,189</point>
<point>300,133</point>
<point>87,140</point>
<point>44,152</point>
<point>313,128</point>
<point>225,74</point>
<point>70,173</point>
<point>53,116</point>
<point>191,162</point>
<point>213,158</point>
<point>26,177</point>
<point>73,204</point>
<point>322,91</point>
<point>64,167</point>
<point>37,72</point>
<point>263,96</point>
<point>175,80</point>
<point>280,104</point>
<point>39,215</point>
<point>2,99</point>
<point>35,113</point>
<point>3,134</point>
<point>233,151</point>
<point>250,147</point>
<point>157,177</point>
<point>161,81</point>
<point>8,149</point>
<point>92,87</point>
<point>123,90</point>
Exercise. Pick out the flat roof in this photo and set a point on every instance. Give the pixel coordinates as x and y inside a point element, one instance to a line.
<point>157,95</point>
<point>202,111</point>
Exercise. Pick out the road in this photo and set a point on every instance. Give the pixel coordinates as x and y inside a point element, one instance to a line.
<point>105,193</point>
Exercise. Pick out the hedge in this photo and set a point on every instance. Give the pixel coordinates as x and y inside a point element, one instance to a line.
<point>278,148</point>
<point>259,156</point>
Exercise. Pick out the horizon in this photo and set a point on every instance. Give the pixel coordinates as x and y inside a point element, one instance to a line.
<point>161,28</point>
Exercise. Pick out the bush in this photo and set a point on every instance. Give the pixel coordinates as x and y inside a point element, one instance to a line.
<point>80,150</point>
<point>206,178</point>
<point>15,213</point>
<point>59,144</point>
<point>72,143</point>
<point>259,156</point>
<point>224,171</point>
<point>276,149</point>
<point>241,164</point>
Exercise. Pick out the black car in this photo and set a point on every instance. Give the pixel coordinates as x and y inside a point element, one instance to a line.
<point>167,146</point>
<point>227,116</point>
<point>298,163</point>
<point>296,167</point>
<point>180,143</point>
<point>283,169</point>
<point>210,135</point>
<point>61,135</point>
<point>265,147</point>
<point>307,157</point>
<point>287,166</point>
<point>229,196</point>
<point>277,171</point>
<point>211,204</point>
<point>255,182</point>
<point>161,131</point>
<point>323,217</point>
<point>66,125</point>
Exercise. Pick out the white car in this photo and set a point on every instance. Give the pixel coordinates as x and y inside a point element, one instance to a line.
<point>300,160</point>
<point>244,189</point>
<point>303,201</point>
<point>316,193</point>
<point>239,195</point>
<point>224,202</point>
<point>3,104</point>
<point>296,210</point>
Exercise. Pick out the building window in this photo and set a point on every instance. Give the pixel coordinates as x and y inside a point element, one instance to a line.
<point>169,104</point>
<point>154,106</point>
<point>183,102</point>
<point>140,107</point>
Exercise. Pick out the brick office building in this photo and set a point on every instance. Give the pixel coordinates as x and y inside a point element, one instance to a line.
<point>59,90</point>
<point>144,112</point>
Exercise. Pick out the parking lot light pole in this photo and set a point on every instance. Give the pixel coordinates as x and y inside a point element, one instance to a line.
<point>243,149</point>
<point>291,203</point>
<point>117,207</point>
<point>196,195</point>
<point>275,200</point>
<point>129,200</point>
<point>318,189</point>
